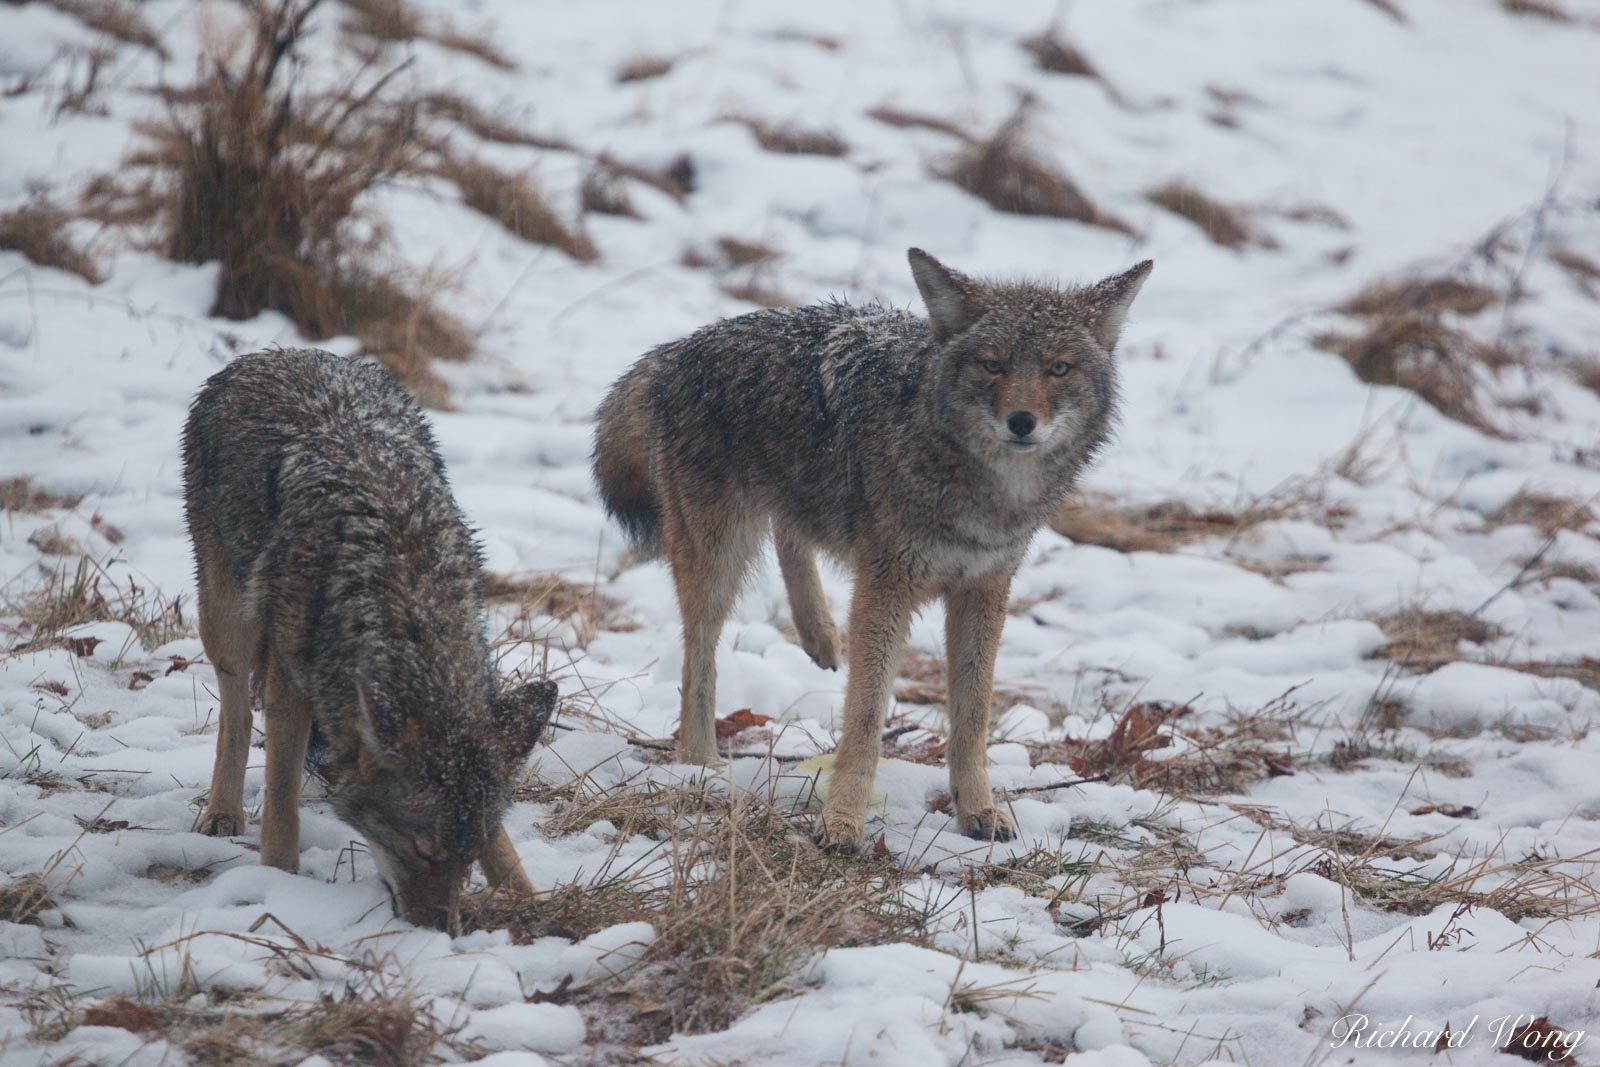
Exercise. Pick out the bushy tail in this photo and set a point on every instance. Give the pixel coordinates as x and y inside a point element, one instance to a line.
<point>622,460</point>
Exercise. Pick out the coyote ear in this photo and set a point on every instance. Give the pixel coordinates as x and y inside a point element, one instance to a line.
<point>951,297</point>
<point>1109,300</point>
<point>521,715</point>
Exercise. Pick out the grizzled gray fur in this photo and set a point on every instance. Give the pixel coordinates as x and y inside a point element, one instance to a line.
<point>336,571</point>
<point>923,453</point>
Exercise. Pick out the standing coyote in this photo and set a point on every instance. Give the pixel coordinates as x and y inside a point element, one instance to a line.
<point>924,453</point>
<point>335,570</point>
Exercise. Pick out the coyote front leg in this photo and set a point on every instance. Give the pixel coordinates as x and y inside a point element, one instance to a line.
<point>974,616</point>
<point>880,612</point>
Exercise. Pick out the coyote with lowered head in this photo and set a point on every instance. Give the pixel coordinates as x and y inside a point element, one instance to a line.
<point>336,572</point>
<point>923,453</point>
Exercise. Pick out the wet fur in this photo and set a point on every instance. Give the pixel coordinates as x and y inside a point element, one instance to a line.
<point>338,580</point>
<point>879,437</point>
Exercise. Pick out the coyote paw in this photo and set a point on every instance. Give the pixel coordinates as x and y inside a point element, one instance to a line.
<point>220,823</point>
<point>990,824</point>
<point>845,834</point>
<point>823,648</point>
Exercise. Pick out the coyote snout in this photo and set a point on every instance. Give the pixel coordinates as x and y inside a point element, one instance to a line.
<point>923,453</point>
<point>336,575</point>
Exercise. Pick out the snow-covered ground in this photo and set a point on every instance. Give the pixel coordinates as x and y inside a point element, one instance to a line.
<point>1439,871</point>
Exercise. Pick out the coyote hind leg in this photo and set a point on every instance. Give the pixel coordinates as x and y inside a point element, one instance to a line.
<point>288,716</point>
<point>709,547</point>
<point>807,602</point>
<point>229,635</point>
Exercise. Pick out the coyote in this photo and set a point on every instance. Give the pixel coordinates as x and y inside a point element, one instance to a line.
<point>923,453</point>
<point>336,572</point>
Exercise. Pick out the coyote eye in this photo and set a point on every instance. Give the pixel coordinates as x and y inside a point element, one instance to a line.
<point>1059,368</point>
<point>993,366</point>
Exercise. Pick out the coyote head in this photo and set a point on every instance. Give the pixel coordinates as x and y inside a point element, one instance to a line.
<point>426,791</point>
<point>1024,368</point>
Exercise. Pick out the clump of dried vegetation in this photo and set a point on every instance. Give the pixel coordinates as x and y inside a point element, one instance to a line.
<point>117,19</point>
<point>740,898</point>
<point>516,203</point>
<point>386,22</point>
<point>1056,53</point>
<point>73,594</point>
<point>1099,519</point>
<point>792,139</point>
<point>645,68</point>
<point>556,596</point>
<point>1538,9</point>
<point>37,230</point>
<point>1225,224</point>
<point>1408,342</point>
<point>265,181</point>
<point>371,1021</point>
<point>744,269</point>
<point>1420,640</point>
<point>1006,171</point>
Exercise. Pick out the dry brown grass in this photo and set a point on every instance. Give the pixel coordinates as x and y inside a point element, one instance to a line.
<point>79,592</point>
<point>265,182</point>
<point>37,230</point>
<point>1009,174</point>
<point>517,204</point>
<point>1545,512</point>
<point>1097,519</point>
<point>1225,224</point>
<point>1407,343</point>
<point>755,291</point>
<point>644,68</point>
<point>902,119</point>
<point>1058,55</point>
<point>20,494</point>
<point>740,898</point>
<point>1538,9</point>
<point>1582,269</point>
<point>394,22</point>
<point>459,111</point>
<point>1419,296</point>
<point>605,192</point>
<point>923,679</point>
<point>118,19</point>
<point>1392,9</point>
<point>1219,759</point>
<point>370,1023</point>
<point>676,178</point>
<point>1421,641</point>
<point>589,610</point>
<point>794,140</point>
<point>24,898</point>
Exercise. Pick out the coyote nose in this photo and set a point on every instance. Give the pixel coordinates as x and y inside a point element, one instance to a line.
<point>1021,423</point>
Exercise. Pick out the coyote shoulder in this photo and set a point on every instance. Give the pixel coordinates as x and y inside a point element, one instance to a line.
<point>924,453</point>
<point>336,572</point>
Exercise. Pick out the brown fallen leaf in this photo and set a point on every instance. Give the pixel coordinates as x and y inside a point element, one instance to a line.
<point>743,719</point>
<point>178,663</point>
<point>82,646</point>
<point>1542,1042</point>
<point>140,679</point>
<point>1454,811</point>
<point>939,803</point>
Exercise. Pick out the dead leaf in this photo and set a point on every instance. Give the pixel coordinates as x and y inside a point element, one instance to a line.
<point>1454,811</point>
<point>743,719</point>
<point>1154,899</point>
<point>1542,1042</point>
<point>939,803</point>
<point>52,687</point>
<point>140,679</point>
<point>82,646</point>
<point>181,664</point>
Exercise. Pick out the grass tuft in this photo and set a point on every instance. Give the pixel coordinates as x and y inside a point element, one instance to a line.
<point>36,230</point>
<point>794,140</point>
<point>1097,519</point>
<point>1225,224</point>
<point>1006,172</point>
<point>265,182</point>
<point>516,203</point>
<point>1407,343</point>
<point>740,898</point>
<point>645,68</point>
<point>1542,9</point>
<point>394,22</point>
<point>1422,641</point>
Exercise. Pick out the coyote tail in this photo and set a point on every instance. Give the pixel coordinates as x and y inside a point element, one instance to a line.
<point>622,460</point>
